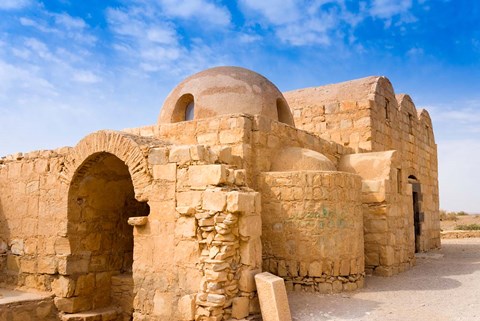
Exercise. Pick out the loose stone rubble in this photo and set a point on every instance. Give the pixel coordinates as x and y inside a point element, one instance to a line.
<point>172,221</point>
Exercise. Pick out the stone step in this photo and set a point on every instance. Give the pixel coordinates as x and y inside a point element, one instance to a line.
<point>104,314</point>
<point>26,306</point>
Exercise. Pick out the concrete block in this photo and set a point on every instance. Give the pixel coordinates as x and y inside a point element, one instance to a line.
<point>273,297</point>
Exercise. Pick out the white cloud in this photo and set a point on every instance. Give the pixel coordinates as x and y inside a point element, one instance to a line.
<point>277,12</point>
<point>386,9</point>
<point>201,10</point>
<point>86,76</point>
<point>25,80</point>
<point>61,25</point>
<point>249,38</point>
<point>318,22</point>
<point>14,4</point>
<point>69,22</point>
<point>148,40</point>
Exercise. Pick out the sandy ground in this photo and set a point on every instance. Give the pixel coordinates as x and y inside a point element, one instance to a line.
<point>461,219</point>
<point>444,285</point>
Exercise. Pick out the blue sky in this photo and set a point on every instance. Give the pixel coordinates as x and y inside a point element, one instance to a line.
<point>68,67</point>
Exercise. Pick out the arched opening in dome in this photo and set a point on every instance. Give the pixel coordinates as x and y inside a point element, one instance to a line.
<point>189,111</point>
<point>184,108</point>
<point>283,111</point>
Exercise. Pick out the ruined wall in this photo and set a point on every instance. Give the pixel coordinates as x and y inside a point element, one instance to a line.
<point>33,222</point>
<point>208,230</point>
<point>313,229</point>
<point>366,115</point>
<point>245,142</point>
<point>195,252</point>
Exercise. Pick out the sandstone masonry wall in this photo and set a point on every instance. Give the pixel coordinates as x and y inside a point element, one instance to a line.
<point>33,222</point>
<point>313,229</point>
<point>367,116</point>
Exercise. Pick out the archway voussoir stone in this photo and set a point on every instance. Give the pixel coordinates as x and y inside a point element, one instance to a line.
<point>117,143</point>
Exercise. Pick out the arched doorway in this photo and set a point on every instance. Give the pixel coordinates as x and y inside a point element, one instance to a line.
<point>417,214</point>
<point>101,199</point>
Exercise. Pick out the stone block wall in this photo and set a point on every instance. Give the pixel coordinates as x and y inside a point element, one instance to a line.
<point>246,142</point>
<point>389,238</point>
<point>313,229</point>
<point>33,222</point>
<point>197,255</point>
<point>367,116</point>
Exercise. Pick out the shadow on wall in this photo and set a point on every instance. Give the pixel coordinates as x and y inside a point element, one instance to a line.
<point>4,239</point>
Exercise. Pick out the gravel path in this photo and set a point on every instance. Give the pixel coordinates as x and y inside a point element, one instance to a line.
<point>444,285</point>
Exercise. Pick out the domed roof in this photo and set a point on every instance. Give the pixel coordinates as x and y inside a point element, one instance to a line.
<point>225,90</point>
<point>300,159</point>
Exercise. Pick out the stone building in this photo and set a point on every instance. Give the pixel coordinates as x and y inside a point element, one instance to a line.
<point>172,221</point>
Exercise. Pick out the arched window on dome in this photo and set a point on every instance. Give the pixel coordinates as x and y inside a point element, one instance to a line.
<point>283,111</point>
<point>184,108</point>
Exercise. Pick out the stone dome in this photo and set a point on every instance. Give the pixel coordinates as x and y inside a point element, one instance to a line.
<point>300,159</point>
<point>225,90</point>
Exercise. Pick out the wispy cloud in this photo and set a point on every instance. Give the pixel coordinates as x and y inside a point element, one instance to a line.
<point>386,9</point>
<point>201,10</point>
<point>14,4</point>
<point>320,22</point>
<point>150,40</point>
<point>62,25</point>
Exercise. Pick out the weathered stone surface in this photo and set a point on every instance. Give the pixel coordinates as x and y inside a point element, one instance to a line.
<point>353,159</point>
<point>273,297</point>
<point>204,175</point>
<point>186,308</point>
<point>138,220</point>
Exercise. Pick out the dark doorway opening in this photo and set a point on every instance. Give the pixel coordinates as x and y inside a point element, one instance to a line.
<point>101,199</point>
<point>417,214</point>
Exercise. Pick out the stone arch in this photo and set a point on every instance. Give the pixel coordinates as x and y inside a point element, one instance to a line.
<point>122,145</point>
<point>101,199</point>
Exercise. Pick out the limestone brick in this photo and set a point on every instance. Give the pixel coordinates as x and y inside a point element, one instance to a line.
<point>162,304</point>
<point>186,227</point>
<point>167,172</point>
<point>214,200</point>
<point>246,282</point>
<point>240,307</point>
<point>180,155</point>
<point>186,307</point>
<point>250,226</point>
<point>204,175</point>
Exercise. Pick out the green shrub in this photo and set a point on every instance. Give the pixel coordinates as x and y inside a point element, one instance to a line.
<point>468,227</point>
